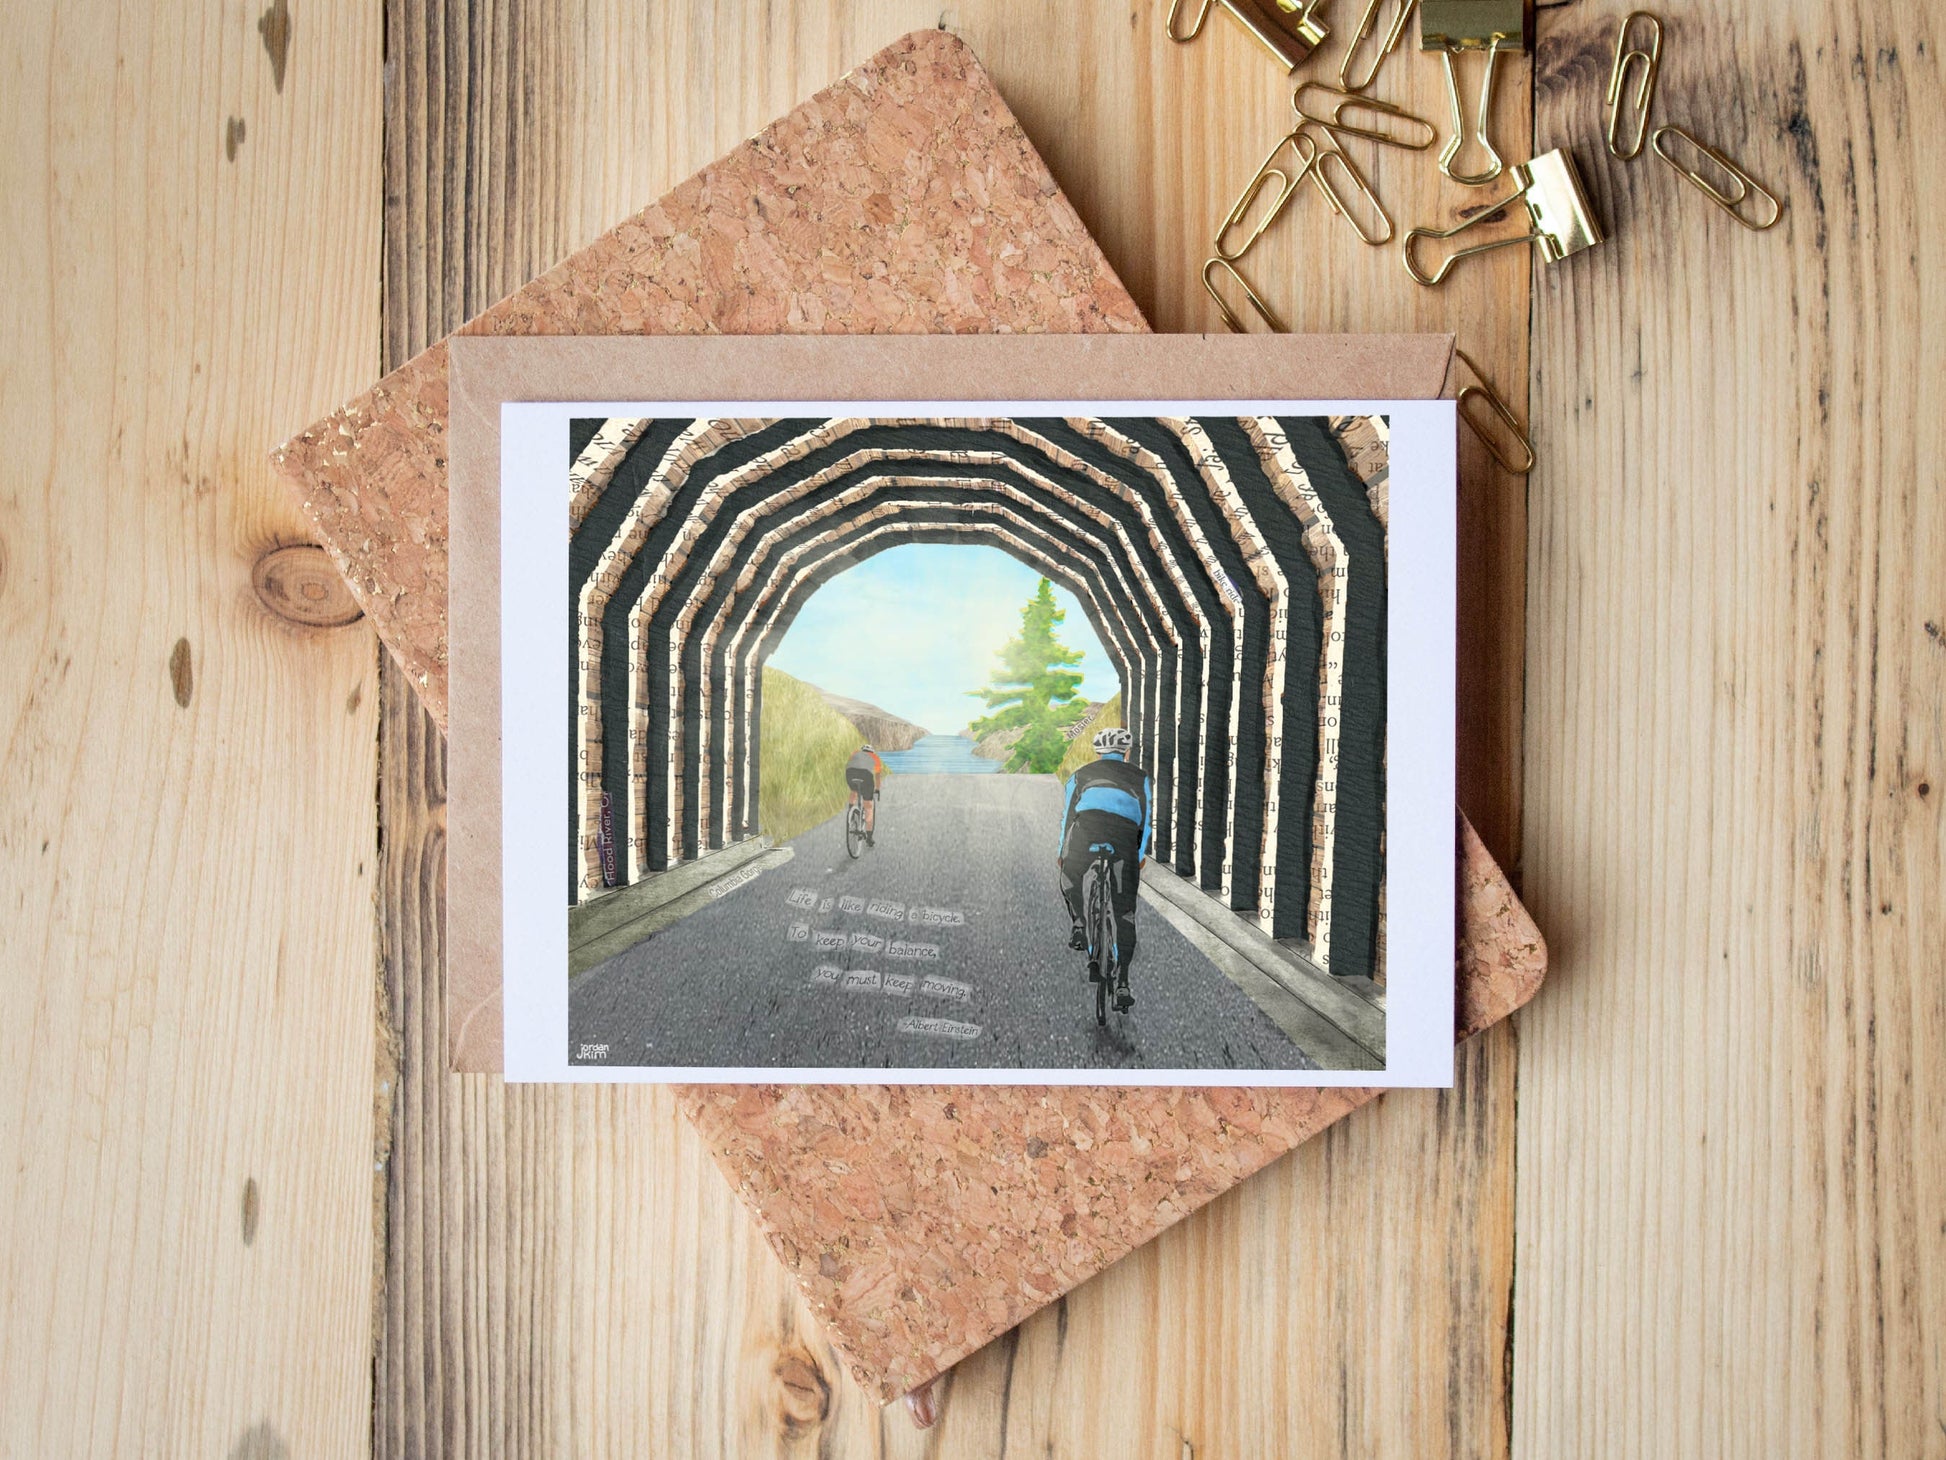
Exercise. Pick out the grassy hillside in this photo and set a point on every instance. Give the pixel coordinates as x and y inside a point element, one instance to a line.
<point>1080,752</point>
<point>802,752</point>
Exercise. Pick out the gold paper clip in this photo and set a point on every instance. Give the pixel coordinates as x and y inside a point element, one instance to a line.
<point>1288,174</point>
<point>1485,391</point>
<point>1375,131</point>
<point>1367,27</point>
<point>1493,26</point>
<point>1730,202</point>
<point>1329,152</point>
<point>1290,32</point>
<point>1645,64</point>
<point>1256,302</point>
<point>1557,207</point>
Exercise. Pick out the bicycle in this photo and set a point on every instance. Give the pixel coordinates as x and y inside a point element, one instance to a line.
<point>859,833</point>
<point>1099,899</point>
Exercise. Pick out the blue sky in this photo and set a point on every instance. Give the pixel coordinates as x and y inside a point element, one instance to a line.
<point>914,628</point>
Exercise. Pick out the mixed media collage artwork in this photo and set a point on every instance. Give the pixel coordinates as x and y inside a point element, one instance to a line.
<point>979,743</point>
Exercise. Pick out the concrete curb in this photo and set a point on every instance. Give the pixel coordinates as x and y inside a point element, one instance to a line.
<point>597,931</point>
<point>1335,1026</point>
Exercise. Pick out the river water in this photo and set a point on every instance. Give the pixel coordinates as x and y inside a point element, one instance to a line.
<point>939,755</point>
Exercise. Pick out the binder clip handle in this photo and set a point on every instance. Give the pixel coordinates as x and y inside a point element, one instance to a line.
<point>1493,26</point>
<point>1482,122</point>
<point>1560,218</point>
<point>1438,276</point>
<point>1185,36</point>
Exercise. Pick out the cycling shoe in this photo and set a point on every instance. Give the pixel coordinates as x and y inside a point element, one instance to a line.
<point>1077,940</point>
<point>1124,1000</point>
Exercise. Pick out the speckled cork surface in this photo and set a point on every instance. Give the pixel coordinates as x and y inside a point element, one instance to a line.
<point>921,1222</point>
<point>902,198</point>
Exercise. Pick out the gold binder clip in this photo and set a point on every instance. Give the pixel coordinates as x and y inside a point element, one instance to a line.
<point>1493,26</point>
<point>1328,155</point>
<point>1289,31</point>
<point>1557,208</point>
<point>1367,27</point>
<point>1484,391</point>
<point>1730,200</point>
<point>1256,302</point>
<point>1415,134</point>
<point>1644,64</point>
<point>1286,173</point>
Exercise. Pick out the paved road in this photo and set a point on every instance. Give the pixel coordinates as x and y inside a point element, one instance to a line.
<point>943,946</point>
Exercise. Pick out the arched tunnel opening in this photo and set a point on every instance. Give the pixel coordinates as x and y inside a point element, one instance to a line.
<point>1232,569</point>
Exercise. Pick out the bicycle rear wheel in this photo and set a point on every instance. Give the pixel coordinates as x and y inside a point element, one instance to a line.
<point>854,831</point>
<point>1101,938</point>
<point>1092,895</point>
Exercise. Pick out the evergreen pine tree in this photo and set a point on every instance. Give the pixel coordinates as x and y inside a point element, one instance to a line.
<point>1034,688</point>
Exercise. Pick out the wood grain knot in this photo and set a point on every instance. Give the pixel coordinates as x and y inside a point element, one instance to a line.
<point>803,1393</point>
<point>182,676</point>
<point>274,25</point>
<point>923,1404</point>
<point>300,585</point>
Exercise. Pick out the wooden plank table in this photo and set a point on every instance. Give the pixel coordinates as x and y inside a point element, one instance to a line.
<point>1691,1207</point>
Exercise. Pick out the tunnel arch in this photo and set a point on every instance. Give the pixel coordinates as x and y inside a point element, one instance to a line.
<point>1205,550</point>
<point>647,684</point>
<point>818,444</point>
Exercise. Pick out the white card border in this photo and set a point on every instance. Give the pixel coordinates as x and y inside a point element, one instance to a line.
<point>1421,650</point>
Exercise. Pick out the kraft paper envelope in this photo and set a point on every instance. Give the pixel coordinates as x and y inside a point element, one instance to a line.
<point>488,372</point>
<point>848,1181</point>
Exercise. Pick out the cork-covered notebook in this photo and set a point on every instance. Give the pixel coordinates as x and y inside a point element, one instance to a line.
<point>920,1222</point>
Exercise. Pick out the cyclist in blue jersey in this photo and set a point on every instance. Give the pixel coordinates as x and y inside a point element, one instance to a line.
<point>1108,805</point>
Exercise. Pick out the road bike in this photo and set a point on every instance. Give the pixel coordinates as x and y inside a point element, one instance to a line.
<point>855,827</point>
<point>1099,899</point>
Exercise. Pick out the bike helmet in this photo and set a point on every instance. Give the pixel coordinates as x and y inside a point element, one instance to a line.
<point>866,748</point>
<point>1113,742</point>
